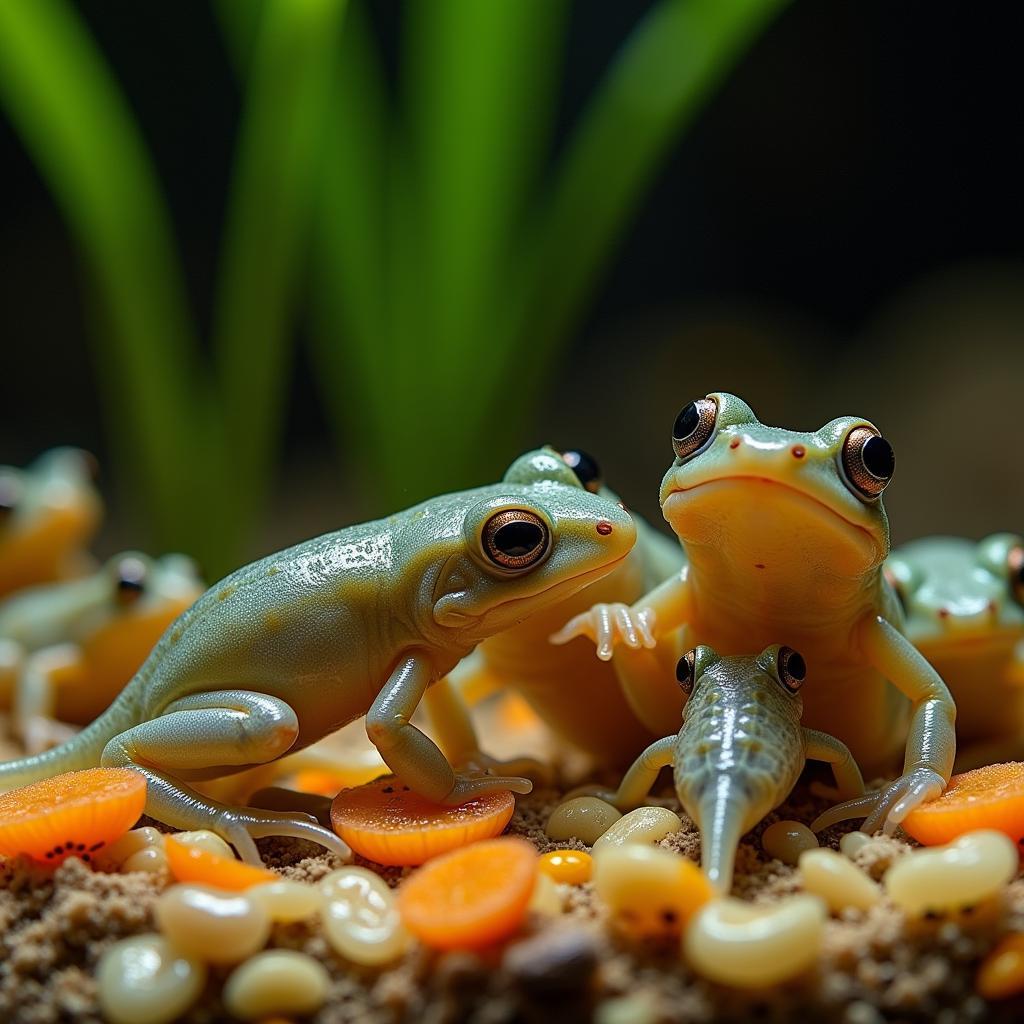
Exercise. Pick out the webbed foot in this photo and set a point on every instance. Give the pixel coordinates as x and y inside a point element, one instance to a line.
<point>469,786</point>
<point>887,807</point>
<point>536,771</point>
<point>608,625</point>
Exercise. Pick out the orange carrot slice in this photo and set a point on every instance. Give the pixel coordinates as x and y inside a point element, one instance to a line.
<point>70,815</point>
<point>386,822</point>
<point>189,863</point>
<point>989,797</point>
<point>1001,974</point>
<point>470,897</point>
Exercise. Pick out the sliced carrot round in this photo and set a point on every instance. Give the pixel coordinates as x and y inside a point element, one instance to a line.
<point>386,822</point>
<point>190,863</point>
<point>470,897</point>
<point>989,797</point>
<point>70,815</point>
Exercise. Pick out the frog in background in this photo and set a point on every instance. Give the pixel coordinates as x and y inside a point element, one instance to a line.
<point>67,649</point>
<point>785,536</point>
<point>49,512</point>
<point>964,607</point>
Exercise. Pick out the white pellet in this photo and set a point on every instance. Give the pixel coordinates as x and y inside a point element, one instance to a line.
<point>644,825</point>
<point>287,901</point>
<point>837,880</point>
<point>586,818</point>
<point>360,917</point>
<point>212,925</point>
<point>852,843</point>
<point>279,981</point>
<point>206,840</point>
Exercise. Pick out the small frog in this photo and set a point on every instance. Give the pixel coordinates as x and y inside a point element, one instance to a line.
<point>48,514</point>
<point>785,535</point>
<point>964,606</point>
<point>72,646</point>
<point>740,750</point>
<point>359,621</point>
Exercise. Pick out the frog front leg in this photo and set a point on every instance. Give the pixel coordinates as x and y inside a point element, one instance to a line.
<point>637,782</point>
<point>931,743</point>
<point>203,731</point>
<point>33,710</point>
<point>411,755</point>
<point>820,746</point>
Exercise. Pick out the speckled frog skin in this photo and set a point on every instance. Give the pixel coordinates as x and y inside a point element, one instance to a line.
<point>785,535</point>
<point>964,606</point>
<point>360,621</point>
<point>740,750</point>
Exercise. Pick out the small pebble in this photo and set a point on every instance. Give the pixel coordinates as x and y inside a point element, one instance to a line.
<point>555,964</point>
<point>837,880</point>
<point>585,818</point>
<point>644,825</point>
<point>360,917</point>
<point>569,867</point>
<point>212,925</point>
<point>852,843</point>
<point>287,901</point>
<point>276,981</point>
<point>786,840</point>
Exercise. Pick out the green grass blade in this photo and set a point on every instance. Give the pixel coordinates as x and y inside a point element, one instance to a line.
<point>240,25</point>
<point>74,122</point>
<point>272,195</point>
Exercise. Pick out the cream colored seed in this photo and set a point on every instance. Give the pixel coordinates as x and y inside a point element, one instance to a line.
<point>206,840</point>
<point>786,840</point>
<point>970,869</point>
<point>287,901</point>
<point>144,980</point>
<point>586,818</point>
<point>644,825</point>
<point>837,880</point>
<point>277,981</point>
<point>360,917</point>
<point>152,859</point>
<point>114,856</point>
<point>748,946</point>
<point>212,925</point>
<point>852,843</point>
<point>546,899</point>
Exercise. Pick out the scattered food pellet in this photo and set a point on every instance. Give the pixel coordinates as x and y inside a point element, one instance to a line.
<point>277,981</point>
<point>570,867</point>
<point>360,917</point>
<point>470,897</point>
<point>1001,974</point>
<point>204,839</point>
<point>970,869</point>
<point>213,926</point>
<point>191,863</point>
<point>837,880</point>
<point>144,980</point>
<point>142,849</point>
<point>750,946</point>
<point>649,891</point>
<point>546,899</point>
<point>852,843</point>
<point>287,901</point>
<point>586,818</point>
<point>389,824</point>
<point>786,840</point>
<point>986,798</point>
<point>644,825</point>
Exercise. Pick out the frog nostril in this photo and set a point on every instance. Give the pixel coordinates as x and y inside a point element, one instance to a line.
<point>604,528</point>
<point>734,443</point>
<point>799,451</point>
<point>943,613</point>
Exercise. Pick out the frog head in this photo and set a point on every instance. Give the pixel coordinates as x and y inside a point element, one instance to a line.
<point>961,593</point>
<point>48,513</point>
<point>776,499</point>
<point>522,545</point>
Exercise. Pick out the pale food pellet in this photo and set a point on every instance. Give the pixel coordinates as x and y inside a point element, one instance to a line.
<point>206,840</point>
<point>586,818</point>
<point>749,946</point>
<point>852,843</point>
<point>644,825</point>
<point>144,980</point>
<point>152,859</point>
<point>546,899</point>
<point>113,857</point>
<point>786,840</point>
<point>972,868</point>
<point>212,925</point>
<point>287,901</point>
<point>277,981</point>
<point>360,917</point>
<point>837,880</point>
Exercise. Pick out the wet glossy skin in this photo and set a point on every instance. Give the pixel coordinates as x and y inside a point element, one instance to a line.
<point>782,548</point>
<point>361,621</point>
<point>48,514</point>
<point>964,613</point>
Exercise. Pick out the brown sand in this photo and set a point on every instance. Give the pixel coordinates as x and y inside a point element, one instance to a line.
<point>875,966</point>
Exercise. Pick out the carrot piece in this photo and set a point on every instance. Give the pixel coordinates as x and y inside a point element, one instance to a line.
<point>470,897</point>
<point>386,822</point>
<point>70,815</point>
<point>1001,974</point>
<point>989,797</point>
<point>189,863</point>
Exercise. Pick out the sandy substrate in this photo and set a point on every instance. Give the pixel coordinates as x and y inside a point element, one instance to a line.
<point>875,966</point>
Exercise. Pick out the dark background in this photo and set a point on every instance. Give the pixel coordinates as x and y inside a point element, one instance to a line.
<point>841,231</point>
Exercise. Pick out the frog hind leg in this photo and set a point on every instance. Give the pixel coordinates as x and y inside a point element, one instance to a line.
<point>203,731</point>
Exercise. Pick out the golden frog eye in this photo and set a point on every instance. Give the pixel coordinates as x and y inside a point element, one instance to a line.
<point>516,538</point>
<point>585,466</point>
<point>792,669</point>
<point>1015,563</point>
<point>686,669</point>
<point>131,581</point>
<point>868,461</point>
<point>694,427</point>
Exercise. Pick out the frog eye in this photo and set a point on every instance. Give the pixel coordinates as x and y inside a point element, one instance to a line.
<point>516,539</point>
<point>585,467</point>
<point>686,669</point>
<point>694,427</point>
<point>131,581</point>
<point>792,669</point>
<point>868,461</point>
<point>1015,563</point>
